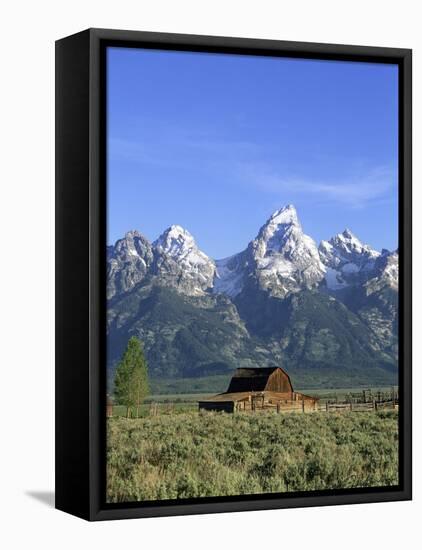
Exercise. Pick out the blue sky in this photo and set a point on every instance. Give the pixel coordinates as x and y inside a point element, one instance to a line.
<point>216,143</point>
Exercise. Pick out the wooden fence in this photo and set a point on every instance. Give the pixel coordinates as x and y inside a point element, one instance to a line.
<point>290,406</point>
<point>304,407</point>
<point>365,400</point>
<point>368,406</point>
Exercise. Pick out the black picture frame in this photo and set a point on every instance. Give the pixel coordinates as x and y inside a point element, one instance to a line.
<point>80,271</point>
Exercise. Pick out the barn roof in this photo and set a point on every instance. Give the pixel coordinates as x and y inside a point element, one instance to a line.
<point>226,397</point>
<point>252,379</point>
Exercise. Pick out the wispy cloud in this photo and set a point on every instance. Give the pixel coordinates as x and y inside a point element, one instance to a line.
<point>357,191</point>
<point>182,147</point>
<point>239,160</point>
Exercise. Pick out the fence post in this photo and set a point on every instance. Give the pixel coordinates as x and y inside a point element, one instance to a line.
<point>303,405</point>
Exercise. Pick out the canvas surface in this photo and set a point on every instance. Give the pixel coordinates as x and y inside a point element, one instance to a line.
<point>252,275</point>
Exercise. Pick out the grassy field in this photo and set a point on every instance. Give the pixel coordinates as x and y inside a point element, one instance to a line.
<point>213,454</point>
<point>163,408</point>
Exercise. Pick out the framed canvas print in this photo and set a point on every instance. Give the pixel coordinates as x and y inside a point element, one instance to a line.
<point>233,274</point>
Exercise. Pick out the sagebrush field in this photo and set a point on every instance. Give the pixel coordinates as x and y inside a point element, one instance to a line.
<point>215,454</point>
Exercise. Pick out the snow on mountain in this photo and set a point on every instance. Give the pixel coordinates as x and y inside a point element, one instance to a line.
<point>286,259</point>
<point>277,230</point>
<point>173,258</point>
<point>385,272</point>
<point>180,263</point>
<point>229,275</point>
<point>176,242</point>
<point>128,262</point>
<point>281,259</point>
<point>346,259</point>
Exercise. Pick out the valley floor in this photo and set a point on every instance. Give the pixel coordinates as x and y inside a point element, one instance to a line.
<point>193,454</point>
<point>188,402</point>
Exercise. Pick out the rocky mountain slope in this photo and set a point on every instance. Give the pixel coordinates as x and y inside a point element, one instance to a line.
<point>347,260</point>
<point>281,260</point>
<point>324,313</point>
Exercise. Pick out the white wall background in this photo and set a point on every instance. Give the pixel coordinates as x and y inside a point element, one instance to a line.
<point>29,29</point>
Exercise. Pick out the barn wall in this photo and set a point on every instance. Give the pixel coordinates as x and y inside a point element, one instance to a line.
<point>279,382</point>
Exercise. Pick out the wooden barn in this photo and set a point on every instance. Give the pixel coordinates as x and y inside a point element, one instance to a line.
<point>253,389</point>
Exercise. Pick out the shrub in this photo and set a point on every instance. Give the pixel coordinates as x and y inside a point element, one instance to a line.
<point>214,454</point>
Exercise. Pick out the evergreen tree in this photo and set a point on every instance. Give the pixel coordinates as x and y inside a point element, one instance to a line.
<point>131,380</point>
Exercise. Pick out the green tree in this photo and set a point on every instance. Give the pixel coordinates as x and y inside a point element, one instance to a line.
<point>131,381</point>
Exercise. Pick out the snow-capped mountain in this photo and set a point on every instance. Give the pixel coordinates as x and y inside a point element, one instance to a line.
<point>327,309</point>
<point>375,301</point>
<point>180,263</point>
<point>385,272</point>
<point>128,262</point>
<point>286,259</point>
<point>366,281</point>
<point>347,260</point>
<point>282,259</point>
<point>174,259</point>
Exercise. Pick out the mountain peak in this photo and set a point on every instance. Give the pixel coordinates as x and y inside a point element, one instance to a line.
<point>348,234</point>
<point>131,236</point>
<point>286,259</point>
<point>347,243</point>
<point>347,259</point>
<point>276,228</point>
<point>177,231</point>
<point>180,263</point>
<point>174,240</point>
<point>128,262</point>
<point>133,244</point>
<point>285,215</point>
